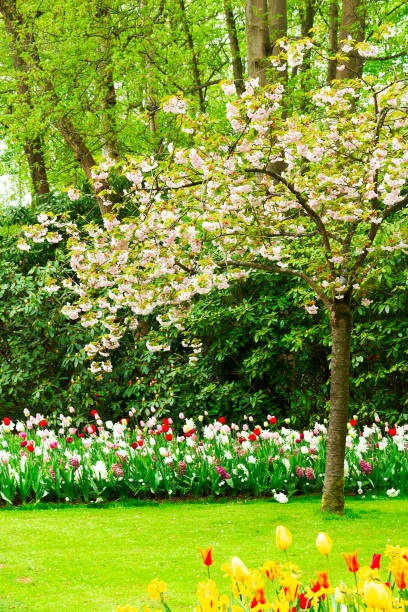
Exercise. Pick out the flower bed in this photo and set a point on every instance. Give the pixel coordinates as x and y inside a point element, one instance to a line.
<point>58,460</point>
<point>279,587</point>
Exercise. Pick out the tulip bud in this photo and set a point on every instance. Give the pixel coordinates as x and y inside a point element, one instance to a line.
<point>283,537</point>
<point>239,570</point>
<point>324,544</point>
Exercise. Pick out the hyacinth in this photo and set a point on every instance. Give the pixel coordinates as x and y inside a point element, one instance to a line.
<point>117,470</point>
<point>300,472</point>
<point>181,466</point>
<point>365,467</point>
<point>223,474</point>
<point>309,473</point>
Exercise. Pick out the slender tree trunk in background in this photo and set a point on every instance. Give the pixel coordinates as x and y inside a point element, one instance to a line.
<point>341,321</point>
<point>278,24</point>
<point>333,39</point>
<point>194,60</point>
<point>277,28</point>
<point>307,14</point>
<point>234,47</point>
<point>110,146</point>
<point>352,24</point>
<point>256,36</point>
<point>33,146</point>
<point>34,150</point>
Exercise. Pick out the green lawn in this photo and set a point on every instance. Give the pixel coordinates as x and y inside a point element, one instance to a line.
<point>82,558</point>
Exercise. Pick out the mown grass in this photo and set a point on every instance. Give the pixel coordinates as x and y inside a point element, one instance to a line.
<point>94,558</point>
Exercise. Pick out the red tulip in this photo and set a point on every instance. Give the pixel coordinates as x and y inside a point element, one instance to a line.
<point>206,554</point>
<point>353,422</point>
<point>375,563</point>
<point>221,420</point>
<point>392,432</point>
<point>257,431</point>
<point>23,443</point>
<point>168,437</point>
<point>30,448</point>
<point>42,423</point>
<point>304,602</point>
<point>252,437</point>
<point>272,420</point>
<point>165,428</point>
<point>6,421</point>
<point>69,439</point>
<point>133,444</point>
<point>140,442</point>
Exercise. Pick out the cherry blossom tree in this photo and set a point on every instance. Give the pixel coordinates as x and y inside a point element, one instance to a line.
<point>318,196</point>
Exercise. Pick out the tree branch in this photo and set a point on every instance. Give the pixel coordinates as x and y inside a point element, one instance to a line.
<point>278,270</point>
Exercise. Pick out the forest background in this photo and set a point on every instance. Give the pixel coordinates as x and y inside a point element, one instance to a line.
<point>84,79</point>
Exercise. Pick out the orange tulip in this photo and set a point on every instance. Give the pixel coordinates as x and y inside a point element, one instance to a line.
<point>206,554</point>
<point>351,560</point>
<point>400,578</point>
<point>323,579</point>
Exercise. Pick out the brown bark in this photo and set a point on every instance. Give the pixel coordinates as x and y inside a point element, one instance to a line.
<point>256,36</point>
<point>33,149</point>
<point>110,146</point>
<point>333,39</point>
<point>278,24</point>
<point>234,47</point>
<point>33,146</point>
<point>194,59</point>
<point>352,24</point>
<point>341,321</point>
<point>307,14</point>
<point>74,140</point>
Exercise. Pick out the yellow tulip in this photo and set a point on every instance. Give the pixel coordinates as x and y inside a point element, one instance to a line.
<point>156,589</point>
<point>377,595</point>
<point>324,544</point>
<point>239,570</point>
<point>283,537</point>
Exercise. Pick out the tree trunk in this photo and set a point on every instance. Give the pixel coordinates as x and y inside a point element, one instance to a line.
<point>278,24</point>
<point>333,39</point>
<point>194,60</point>
<point>33,146</point>
<point>256,36</point>
<point>234,47</point>
<point>110,146</point>
<point>33,149</point>
<point>352,24</point>
<point>277,28</point>
<point>341,321</point>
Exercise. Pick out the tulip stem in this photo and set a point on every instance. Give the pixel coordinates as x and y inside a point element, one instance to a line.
<point>208,571</point>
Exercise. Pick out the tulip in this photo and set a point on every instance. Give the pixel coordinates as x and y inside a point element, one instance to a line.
<point>324,544</point>
<point>323,579</point>
<point>283,537</point>
<point>377,596</point>
<point>400,578</point>
<point>206,554</point>
<point>239,570</point>
<point>375,563</point>
<point>351,560</point>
